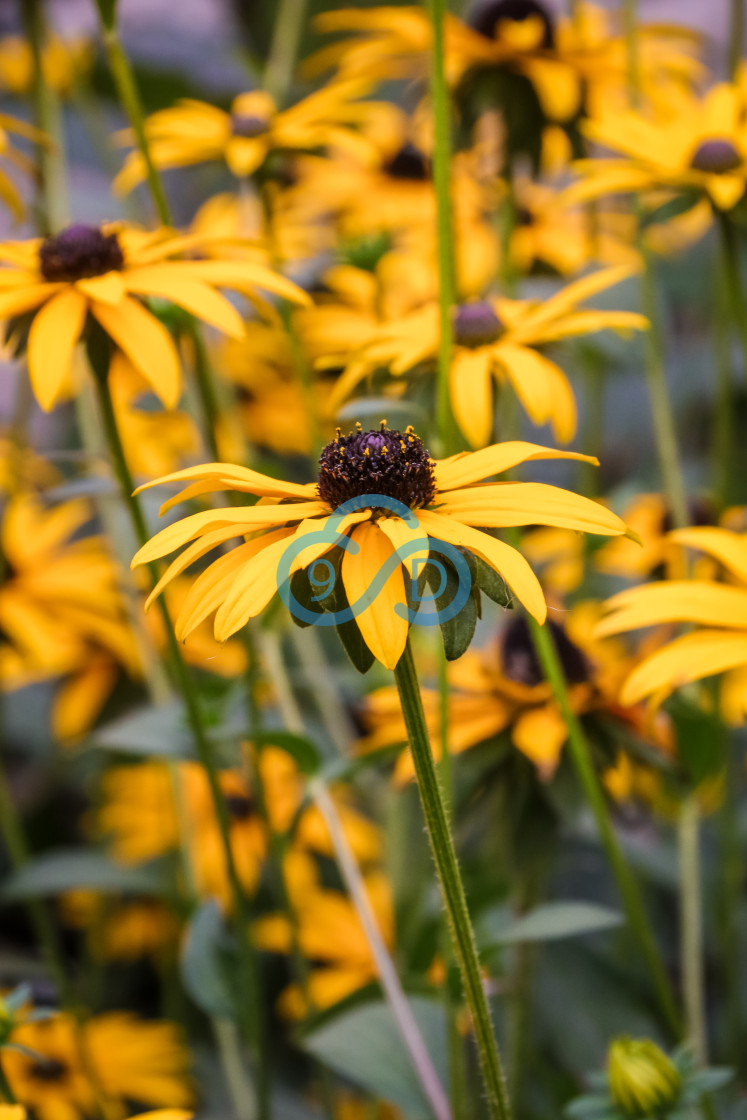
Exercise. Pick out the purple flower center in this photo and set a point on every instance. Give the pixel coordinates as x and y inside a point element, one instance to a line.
<point>716,157</point>
<point>248,125</point>
<point>489,15</point>
<point>80,252</point>
<point>395,464</point>
<point>48,1069</point>
<point>409,164</point>
<point>476,324</point>
<point>519,657</point>
<point>240,808</point>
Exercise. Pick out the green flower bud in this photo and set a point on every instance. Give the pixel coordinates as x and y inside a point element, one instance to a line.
<point>642,1079</point>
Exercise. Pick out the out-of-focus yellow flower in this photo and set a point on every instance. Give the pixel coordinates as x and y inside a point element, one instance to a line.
<point>350,1107</point>
<point>443,501</point>
<point>558,556</point>
<point>194,132</point>
<point>695,144</point>
<point>63,62</point>
<point>502,687</point>
<point>328,932</point>
<point>497,339</point>
<point>649,517</point>
<point>125,930</point>
<point>102,272</point>
<point>132,1060</point>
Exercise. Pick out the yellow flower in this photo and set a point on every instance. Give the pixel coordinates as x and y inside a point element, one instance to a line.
<point>445,505</point>
<point>654,553</point>
<point>101,271</point>
<point>125,930</point>
<point>694,144</point>
<point>642,1079</point>
<point>494,339</point>
<point>12,1112</point>
<point>63,60</point>
<point>719,645</point>
<point>132,1060</point>
<point>194,132</point>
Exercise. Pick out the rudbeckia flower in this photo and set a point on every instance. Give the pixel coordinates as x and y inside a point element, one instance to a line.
<point>696,145</point>
<point>654,553</point>
<point>446,501</point>
<point>133,1060</point>
<point>718,610</point>
<point>497,339</point>
<point>195,132</point>
<point>104,272</point>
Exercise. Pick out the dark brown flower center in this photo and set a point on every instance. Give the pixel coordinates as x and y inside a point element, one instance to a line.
<point>240,807</point>
<point>519,657</point>
<point>716,157</point>
<point>488,17</point>
<point>48,1070</point>
<point>408,163</point>
<point>476,324</point>
<point>80,252</point>
<point>391,463</point>
<point>248,125</point>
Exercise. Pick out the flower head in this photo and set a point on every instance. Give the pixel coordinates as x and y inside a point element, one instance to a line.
<point>642,1079</point>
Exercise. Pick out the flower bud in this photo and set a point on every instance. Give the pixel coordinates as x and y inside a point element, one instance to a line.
<point>642,1079</point>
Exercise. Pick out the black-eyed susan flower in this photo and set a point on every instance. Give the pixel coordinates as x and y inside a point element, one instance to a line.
<point>132,1060</point>
<point>691,144</point>
<point>194,132</point>
<point>717,645</point>
<point>387,475</point>
<point>105,272</point>
<point>495,339</point>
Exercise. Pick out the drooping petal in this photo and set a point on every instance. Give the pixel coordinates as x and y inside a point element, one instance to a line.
<point>243,276</point>
<point>471,387</point>
<point>539,733</point>
<point>507,561</point>
<point>409,540</point>
<point>238,478</point>
<point>542,388</point>
<point>498,505</point>
<point>383,628</point>
<point>252,590</point>
<point>147,344</point>
<point>199,299</point>
<point>710,604</point>
<point>689,658</point>
<point>54,332</point>
<point>109,289</point>
<point>472,466</point>
<point>730,549</point>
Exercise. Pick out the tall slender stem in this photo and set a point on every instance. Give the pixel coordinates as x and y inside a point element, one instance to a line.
<point>444,855</point>
<point>733,281</point>
<point>691,933</point>
<point>250,1004</point>
<point>286,37</point>
<point>736,37</point>
<point>579,748</point>
<point>442,185</point>
<point>53,212</point>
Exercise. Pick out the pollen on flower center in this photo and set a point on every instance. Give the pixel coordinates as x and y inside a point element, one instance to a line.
<point>409,164</point>
<point>491,14</point>
<point>716,157</point>
<point>391,463</point>
<point>80,252</point>
<point>476,324</point>
<point>248,125</point>
<point>519,657</point>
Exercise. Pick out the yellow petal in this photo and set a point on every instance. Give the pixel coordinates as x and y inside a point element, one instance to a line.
<point>251,591</point>
<point>507,561</point>
<point>539,733</point>
<point>409,541</point>
<point>725,190</point>
<point>689,658</point>
<point>244,155</point>
<point>472,394</point>
<point>384,628</point>
<point>498,505</point>
<point>542,388</point>
<point>109,288</point>
<point>245,276</point>
<point>730,549</point>
<point>54,332</point>
<point>472,466</point>
<point>710,604</point>
<point>147,344</point>
<point>197,298</point>
<point>239,478</point>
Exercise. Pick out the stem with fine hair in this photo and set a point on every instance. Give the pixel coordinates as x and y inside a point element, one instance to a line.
<point>581,756</point>
<point>442,186</point>
<point>691,933</point>
<point>250,1006</point>
<point>444,855</point>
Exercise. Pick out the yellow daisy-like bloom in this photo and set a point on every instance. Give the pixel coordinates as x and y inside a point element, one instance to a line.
<point>133,1060</point>
<point>104,272</point>
<point>693,144</point>
<point>494,339</point>
<point>654,552</point>
<point>446,502</point>
<point>195,132</point>
<point>718,645</point>
<point>122,930</point>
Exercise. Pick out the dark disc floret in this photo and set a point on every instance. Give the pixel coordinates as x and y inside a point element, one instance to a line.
<point>49,1070</point>
<point>489,15</point>
<point>476,324</point>
<point>248,125</point>
<point>387,462</point>
<point>80,252</point>
<point>519,657</point>
<point>239,806</point>
<point>716,157</point>
<point>408,164</point>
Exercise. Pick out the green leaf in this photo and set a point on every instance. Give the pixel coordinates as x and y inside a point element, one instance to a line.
<point>364,1046</point>
<point>492,584</point>
<point>701,741</point>
<point>69,868</point>
<point>457,632</point>
<point>303,593</point>
<point>207,967</point>
<point>555,920</point>
<point>709,1080</point>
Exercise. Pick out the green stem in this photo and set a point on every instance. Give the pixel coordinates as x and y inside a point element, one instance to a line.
<point>630,14</point>
<point>6,1092</point>
<point>442,186</point>
<point>249,981</point>
<point>444,855</point>
<point>209,403</point>
<point>736,37</point>
<point>579,749</point>
<point>732,869</point>
<point>286,37</point>
<point>53,214</point>
<point>691,932</point>
<point>733,281</point>
<point>723,432</point>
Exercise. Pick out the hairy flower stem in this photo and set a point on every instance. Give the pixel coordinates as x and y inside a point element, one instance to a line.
<point>579,748</point>
<point>691,933</point>
<point>445,428</point>
<point>249,982</point>
<point>444,855</point>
